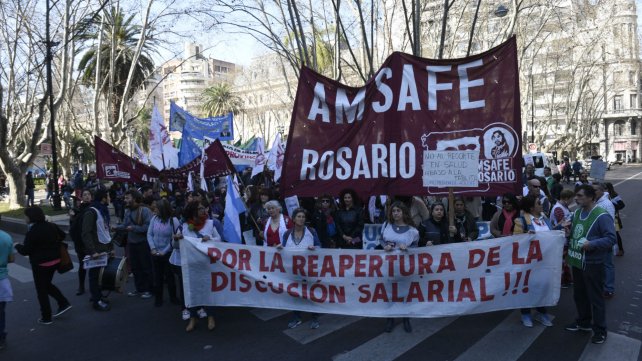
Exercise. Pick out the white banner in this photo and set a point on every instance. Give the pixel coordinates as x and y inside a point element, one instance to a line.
<point>453,279</point>
<point>240,156</point>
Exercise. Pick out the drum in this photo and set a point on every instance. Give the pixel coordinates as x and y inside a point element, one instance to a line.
<point>113,276</point>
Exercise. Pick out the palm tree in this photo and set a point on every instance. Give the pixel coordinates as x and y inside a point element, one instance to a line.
<point>125,34</point>
<point>219,100</point>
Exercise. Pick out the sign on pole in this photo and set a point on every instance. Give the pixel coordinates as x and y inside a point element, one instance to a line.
<point>447,168</point>
<point>45,149</point>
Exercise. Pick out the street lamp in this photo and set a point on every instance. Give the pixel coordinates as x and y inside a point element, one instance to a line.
<point>79,150</point>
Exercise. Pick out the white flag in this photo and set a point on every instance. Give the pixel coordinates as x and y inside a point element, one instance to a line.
<point>163,155</point>
<point>275,158</point>
<point>259,162</point>
<point>190,187</point>
<point>140,154</point>
<point>202,170</point>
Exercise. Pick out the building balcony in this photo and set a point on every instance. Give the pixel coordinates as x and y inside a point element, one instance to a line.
<point>622,113</point>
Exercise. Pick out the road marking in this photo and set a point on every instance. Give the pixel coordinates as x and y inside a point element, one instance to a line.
<point>20,273</point>
<point>616,347</point>
<point>494,345</point>
<point>266,314</point>
<point>328,324</point>
<point>389,346</point>
<point>629,178</point>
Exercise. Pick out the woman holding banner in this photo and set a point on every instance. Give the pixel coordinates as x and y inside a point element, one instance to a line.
<point>197,225</point>
<point>534,220</point>
<point>349,220</point>
<point>435,230</point>
<point>277,224</point>
<point>300,237</point>
<point>503,222</point>
<point>399,233</point>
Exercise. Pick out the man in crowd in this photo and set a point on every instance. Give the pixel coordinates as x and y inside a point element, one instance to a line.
<point>30,188</point>
<point>96,240</point>
<point>75,232</point>
<point>136,222</point>
<point>604,201</point>
<point>592,235</point>
<point>93,184</point>
<point>534,187</point>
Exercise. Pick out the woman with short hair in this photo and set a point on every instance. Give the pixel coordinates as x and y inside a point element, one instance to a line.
<point>277,224</point>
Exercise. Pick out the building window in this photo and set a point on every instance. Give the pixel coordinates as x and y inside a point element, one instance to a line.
<point>634,101</point>
<point>617,102</point>
<point>634,126</point>
<point>619,128</point>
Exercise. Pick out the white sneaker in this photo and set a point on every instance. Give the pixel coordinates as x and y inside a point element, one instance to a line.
<point>543,319</point>
<point>201,313</point>
<point>185,315</point>
<point>527,321</point>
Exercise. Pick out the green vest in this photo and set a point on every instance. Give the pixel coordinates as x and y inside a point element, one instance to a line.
<point>579,230</point>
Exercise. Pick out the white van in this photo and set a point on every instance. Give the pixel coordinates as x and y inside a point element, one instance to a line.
<point>541,160</point>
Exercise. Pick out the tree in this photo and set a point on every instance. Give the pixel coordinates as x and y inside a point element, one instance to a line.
<point>220,100</point>
<point>24,114</point>
<point>116,84</point>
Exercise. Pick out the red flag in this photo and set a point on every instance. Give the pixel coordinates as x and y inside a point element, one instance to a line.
<point>114,165</point>
<point>217,164</point>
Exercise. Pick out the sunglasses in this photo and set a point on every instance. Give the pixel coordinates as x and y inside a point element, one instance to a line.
<point>325,201</point>
<point>536,186</point>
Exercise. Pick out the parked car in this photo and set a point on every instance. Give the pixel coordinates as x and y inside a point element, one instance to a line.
<point>586,163</point>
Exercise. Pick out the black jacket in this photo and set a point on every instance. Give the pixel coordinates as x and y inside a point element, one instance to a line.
<point>349,222</point>
<point>42,243</point>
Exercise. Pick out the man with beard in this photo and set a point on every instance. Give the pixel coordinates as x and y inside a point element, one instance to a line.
<point>136,223</point>
<point>500,150</point>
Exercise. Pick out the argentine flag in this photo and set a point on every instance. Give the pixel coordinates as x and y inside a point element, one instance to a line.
<point>234,206</point>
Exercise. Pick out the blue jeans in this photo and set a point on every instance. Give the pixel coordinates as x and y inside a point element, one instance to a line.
<point>609,272</point>
<point>3,334</point>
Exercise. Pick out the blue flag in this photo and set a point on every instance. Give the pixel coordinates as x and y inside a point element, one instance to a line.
<point>234,206</point>
<point>196,129</point>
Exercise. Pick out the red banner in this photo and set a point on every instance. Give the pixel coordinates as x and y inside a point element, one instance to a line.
<point>217,164</point>
<point>373,138</point>
<point>114,165</point>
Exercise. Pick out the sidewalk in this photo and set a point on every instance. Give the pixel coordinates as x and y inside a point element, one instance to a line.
<point>19,226</point>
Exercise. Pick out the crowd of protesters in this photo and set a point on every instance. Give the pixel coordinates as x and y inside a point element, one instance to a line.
<point>157,216</point>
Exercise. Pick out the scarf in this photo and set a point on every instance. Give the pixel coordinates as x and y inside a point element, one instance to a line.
<point>282,229</point>
<point>102,229</point>
<point>103,210</point>
<point>196,226</point>
<point>508,222</point>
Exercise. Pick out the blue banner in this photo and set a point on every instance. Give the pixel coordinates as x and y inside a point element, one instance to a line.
<point>196,129</point>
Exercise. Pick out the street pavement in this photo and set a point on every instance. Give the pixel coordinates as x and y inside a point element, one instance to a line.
<point>136,330</point>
